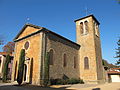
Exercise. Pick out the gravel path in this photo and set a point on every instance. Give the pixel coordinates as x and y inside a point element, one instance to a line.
<point>107,86</point>
<point>13,86</point>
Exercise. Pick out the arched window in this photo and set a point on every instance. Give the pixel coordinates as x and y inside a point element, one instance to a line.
<point>86,27</point>
<point>0,62</point>
<point>25,72</point>
<point>75,63</point>
<point>51,57</point>
<point>86,63</point>
<point>81,27</point>
<point>15,75</point>
<point>96,29</point>
<point>64,60</point>
<point>26,46</point>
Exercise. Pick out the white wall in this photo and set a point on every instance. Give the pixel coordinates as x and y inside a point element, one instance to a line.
<point>2,58</point>
<point>115,78</point>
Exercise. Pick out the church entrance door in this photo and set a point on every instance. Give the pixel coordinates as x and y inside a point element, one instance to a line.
<point>25,71</point>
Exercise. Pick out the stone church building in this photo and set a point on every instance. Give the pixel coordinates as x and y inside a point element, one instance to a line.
<point>81,59</point>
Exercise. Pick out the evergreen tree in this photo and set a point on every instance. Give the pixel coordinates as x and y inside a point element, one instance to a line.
<point>21,66</point>
<point>46,70</point>
<point>5,69</point>
<point>118,52</point>
<point>119,1</point>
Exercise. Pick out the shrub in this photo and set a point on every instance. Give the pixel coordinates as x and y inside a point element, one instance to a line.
<point>21,67</point>
<point>55,81</point>
<point>81,81</point>
<point>67,81</point>
<point>75,81</point>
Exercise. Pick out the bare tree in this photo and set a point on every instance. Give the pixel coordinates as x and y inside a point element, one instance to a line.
<point>9,47</point>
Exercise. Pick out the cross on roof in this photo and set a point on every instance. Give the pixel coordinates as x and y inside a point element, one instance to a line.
<point>28,19</point>
<point>87,11</point>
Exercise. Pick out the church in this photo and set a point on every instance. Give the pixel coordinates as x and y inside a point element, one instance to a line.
<point>80,59</point>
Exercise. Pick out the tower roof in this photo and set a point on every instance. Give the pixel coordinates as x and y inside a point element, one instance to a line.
<point>87,17</point>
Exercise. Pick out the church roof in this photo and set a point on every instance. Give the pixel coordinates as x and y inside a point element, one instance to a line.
<point>62,37</point>
<point>5,53</point>
<point>113,73</point>
<point>87,17</point>
<point>42,29</point>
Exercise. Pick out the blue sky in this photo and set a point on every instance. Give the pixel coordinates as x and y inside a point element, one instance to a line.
<point>59,16</point>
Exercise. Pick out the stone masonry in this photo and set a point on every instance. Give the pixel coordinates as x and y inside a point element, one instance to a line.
<point>42,40</point>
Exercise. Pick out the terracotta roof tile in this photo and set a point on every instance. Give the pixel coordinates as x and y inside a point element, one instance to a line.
<point>4,53</point>
<point>116,68</point>
<point>113,72</point>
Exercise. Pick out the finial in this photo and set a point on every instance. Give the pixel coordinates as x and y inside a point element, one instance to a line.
<point>28,19</point>
<point>87,11</point>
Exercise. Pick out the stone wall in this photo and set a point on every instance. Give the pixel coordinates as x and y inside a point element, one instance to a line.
<point>90,47</point>
<point>99,59</point>
<point>61,47</point>
<point>33,52</point>
<point>28,30</point>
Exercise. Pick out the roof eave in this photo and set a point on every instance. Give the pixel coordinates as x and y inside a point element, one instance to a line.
<point>88,16</point>
<point>42,29</point>
<point>62,37</point>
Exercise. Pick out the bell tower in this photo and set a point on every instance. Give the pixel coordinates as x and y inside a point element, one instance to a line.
<point>87,35</point>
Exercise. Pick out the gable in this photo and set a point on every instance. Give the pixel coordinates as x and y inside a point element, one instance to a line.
<point>27,30</point>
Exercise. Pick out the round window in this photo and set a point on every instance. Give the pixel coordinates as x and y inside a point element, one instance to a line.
<point>26,46</point>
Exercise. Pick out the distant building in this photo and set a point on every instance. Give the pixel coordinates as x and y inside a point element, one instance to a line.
<point>2,61</point>
<point>81,59</point>
<point>114,75</point>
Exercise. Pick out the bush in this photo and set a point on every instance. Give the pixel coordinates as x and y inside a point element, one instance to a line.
<point>55,81</point>
<point>75,81</point>
<point>81,81</point>
<point>67,81</point>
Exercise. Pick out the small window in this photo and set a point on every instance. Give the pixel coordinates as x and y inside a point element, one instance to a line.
<point>86,63</point>
<point>0,61</point>
<point>26,46</point>
<point>81,27</point>
<point>64,60</point>
<point>51,57</point>
<point>15,75</point>
<point>75,62</point>
<point>86,27</point>
<point>96,29</point>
